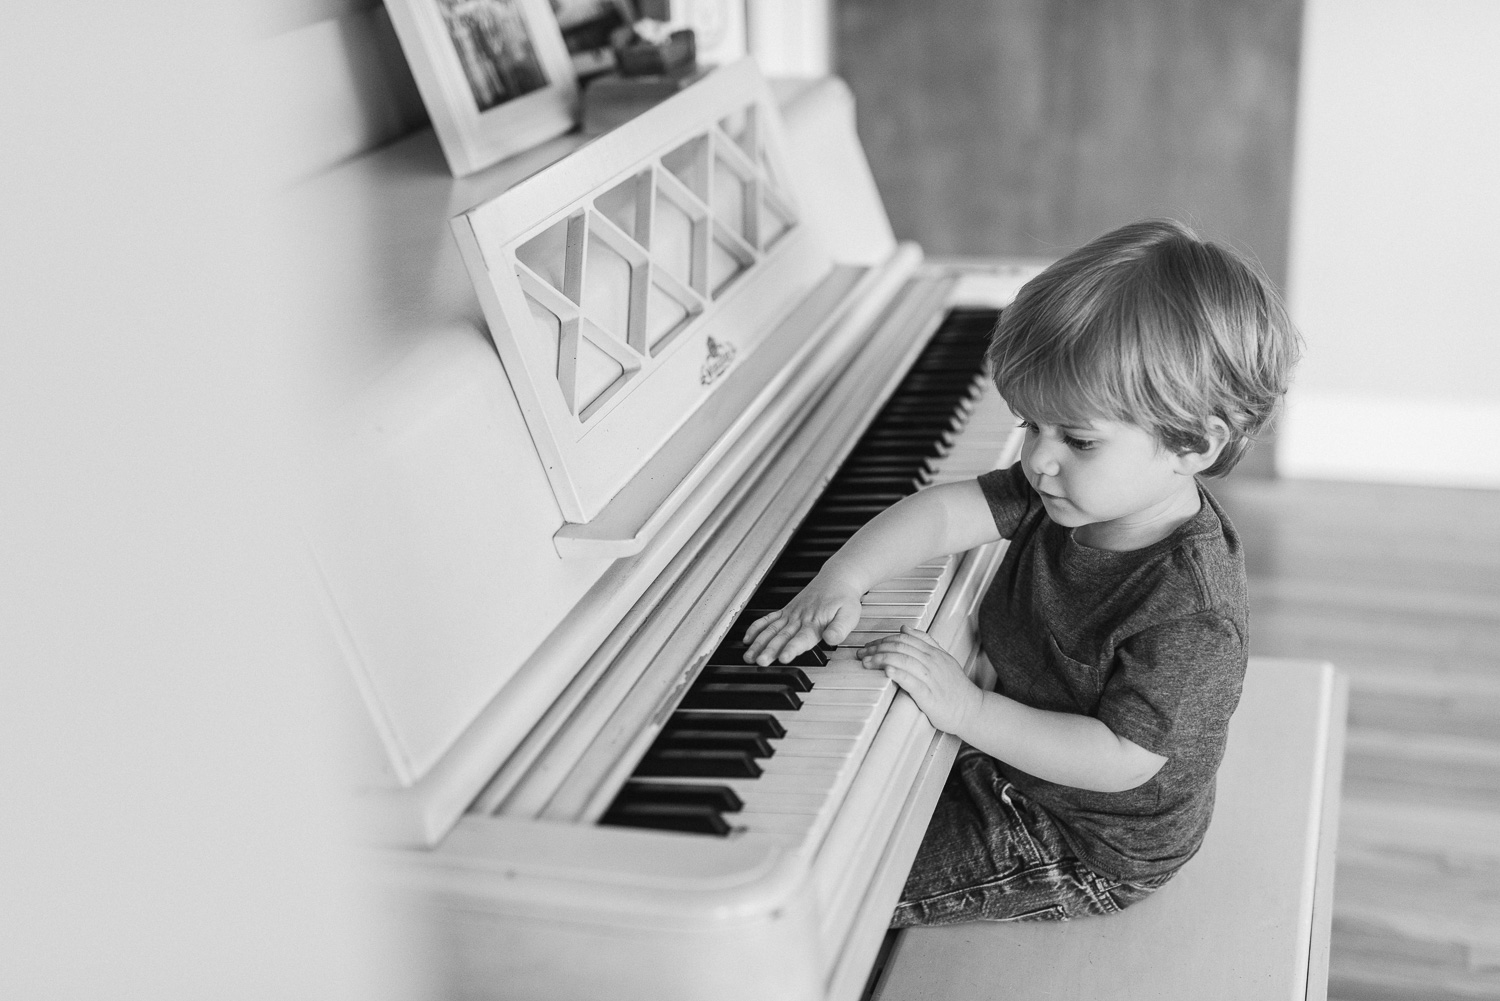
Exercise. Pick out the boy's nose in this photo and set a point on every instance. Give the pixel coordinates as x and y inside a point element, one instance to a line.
<point>1042,459</point>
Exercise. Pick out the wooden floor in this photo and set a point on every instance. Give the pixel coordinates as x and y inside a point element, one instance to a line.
<point>1399,587</point>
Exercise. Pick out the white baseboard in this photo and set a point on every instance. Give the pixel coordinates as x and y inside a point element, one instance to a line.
<point>1432,442</point>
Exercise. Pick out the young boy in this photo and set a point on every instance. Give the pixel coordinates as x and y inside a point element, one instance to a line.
<point>1117,622</point>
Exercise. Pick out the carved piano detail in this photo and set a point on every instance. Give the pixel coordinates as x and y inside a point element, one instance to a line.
<point>703,393</point>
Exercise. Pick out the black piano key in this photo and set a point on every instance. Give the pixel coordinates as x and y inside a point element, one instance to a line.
<point>784,585</point>
<point>795,563</point>
<point>693,762</point>
<point>753,674</point>
<point>887,466</point>
<point>859,494</point>
<point>874,484</point>
<point>732,652</point>
<point>823,550</point>
<point>901,449</point>
<point>720,798</point>
<point>905,435</point>
<point>734,695</point>
<point>748,741</point>
<point>757,607</point>
<point>762,723</point>
<point>693,818</point>
<point>846,523</point>
<point>817,536</point>
<point>909,427</point>
<point>844,509</point>
<point>778,576</point>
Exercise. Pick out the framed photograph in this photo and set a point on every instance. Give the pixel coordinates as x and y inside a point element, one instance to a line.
<point>495,75</point>
<point>586,29</point>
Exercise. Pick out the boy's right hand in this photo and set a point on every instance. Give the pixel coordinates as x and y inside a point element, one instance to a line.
<point>824,609</point>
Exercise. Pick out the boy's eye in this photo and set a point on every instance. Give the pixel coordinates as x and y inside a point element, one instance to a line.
<point>1079,444</point>
<point>1028,425</point>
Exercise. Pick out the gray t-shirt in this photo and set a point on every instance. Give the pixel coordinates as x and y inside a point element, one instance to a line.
<point>1152,643</point>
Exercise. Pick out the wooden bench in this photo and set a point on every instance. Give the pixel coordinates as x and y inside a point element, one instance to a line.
<point>1249,917</point>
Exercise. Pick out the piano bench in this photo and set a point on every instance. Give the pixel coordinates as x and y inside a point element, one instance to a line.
<point>1248,917</point>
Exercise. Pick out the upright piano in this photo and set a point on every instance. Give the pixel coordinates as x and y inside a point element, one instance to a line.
<point>593,411</point>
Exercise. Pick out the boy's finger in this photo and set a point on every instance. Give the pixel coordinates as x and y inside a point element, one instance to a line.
<point>896,658</point>
<point>759,625</point>
<point>843,623</point>
<point>896,642</point>
<point>777,642</point>
<point>913,685</point>
<point>919,634</point>
<point>764,639</point>
<point>788,640</point>
<point>799,642</point>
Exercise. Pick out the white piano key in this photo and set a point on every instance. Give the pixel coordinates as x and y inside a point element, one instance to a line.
<point>818,747</point>
<point>840,697</point>
<point>766,801</point>
<point>825,728</point>
<point>820,713</point>
<point>796,764</point>
<point>879,600</point>
<point>912,580</point>
<point>885,625</point>
<point>772,823</point>
<point>837,675</point>
<point>783,783</point>
<point>891,617</point>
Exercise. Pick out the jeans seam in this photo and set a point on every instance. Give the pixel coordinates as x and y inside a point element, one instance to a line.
<point>1039,857</point>
<point>1075,875</point>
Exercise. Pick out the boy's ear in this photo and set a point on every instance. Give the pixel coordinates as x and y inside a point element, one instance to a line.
<point>1194,462</point>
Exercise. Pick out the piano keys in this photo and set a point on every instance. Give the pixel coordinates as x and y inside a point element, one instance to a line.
<point>824,707</point>
<point>705,384</point>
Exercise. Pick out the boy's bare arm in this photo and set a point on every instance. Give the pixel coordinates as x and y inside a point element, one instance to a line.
<point>934,522</point>
<point>1065,748</point>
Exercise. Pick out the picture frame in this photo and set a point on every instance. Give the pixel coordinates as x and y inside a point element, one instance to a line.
<point>495,75</point>
<point>587,26</point>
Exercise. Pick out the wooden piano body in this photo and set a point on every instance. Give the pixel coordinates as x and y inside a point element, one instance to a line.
<point>529,558</point>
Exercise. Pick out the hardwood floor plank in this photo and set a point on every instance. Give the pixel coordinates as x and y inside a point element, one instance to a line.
<point>1400,587</point>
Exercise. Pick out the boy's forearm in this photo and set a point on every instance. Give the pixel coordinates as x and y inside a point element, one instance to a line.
<point>1065,748</point>
<point>925,525</point>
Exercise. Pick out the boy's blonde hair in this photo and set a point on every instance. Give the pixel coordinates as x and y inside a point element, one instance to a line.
<point>1151,326</point>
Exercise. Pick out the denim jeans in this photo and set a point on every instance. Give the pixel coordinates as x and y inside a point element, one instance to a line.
<point>991,855</point>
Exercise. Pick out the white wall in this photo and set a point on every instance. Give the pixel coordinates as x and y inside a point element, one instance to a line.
<point>1395,257</point>
<point>171,825</point>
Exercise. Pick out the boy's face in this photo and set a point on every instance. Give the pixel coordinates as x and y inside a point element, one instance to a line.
<point>1112,481</point>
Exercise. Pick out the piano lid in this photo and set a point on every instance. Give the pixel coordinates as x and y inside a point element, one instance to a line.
<point>633,282</point>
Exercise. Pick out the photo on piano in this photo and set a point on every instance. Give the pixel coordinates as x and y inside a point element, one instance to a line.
<point>495,75</point>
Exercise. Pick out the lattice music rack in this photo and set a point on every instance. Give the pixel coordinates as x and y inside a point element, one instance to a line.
<point>625,284</point>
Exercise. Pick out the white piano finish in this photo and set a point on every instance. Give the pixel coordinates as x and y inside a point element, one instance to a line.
<point>467,634</point>
<point>441,517</point>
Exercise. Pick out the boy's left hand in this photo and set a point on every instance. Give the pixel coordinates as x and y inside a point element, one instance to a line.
<point>929,674</point>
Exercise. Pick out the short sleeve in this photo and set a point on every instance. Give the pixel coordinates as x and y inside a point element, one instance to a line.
<point>1009,496</point>
<point>1173,687</point>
